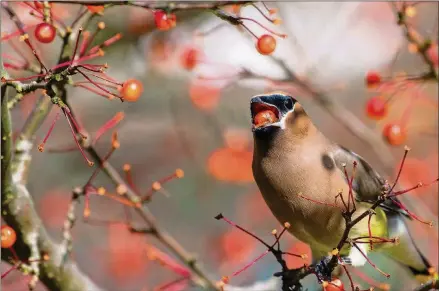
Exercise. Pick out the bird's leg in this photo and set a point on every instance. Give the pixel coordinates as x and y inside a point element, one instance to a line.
<point>322,269</point>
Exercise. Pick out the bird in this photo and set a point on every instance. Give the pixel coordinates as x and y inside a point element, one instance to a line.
<point>299,172</point>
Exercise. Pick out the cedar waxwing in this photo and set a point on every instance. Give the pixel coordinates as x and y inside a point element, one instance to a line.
<point>292,157</point>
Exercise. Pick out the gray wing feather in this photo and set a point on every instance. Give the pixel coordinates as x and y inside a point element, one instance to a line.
<point>367,184</point>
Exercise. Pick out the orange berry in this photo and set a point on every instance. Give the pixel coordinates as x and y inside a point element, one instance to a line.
<point>334,285</point>
<point>266,44</point>
<point>131,90</point>
<point>376,108</point>
<point>432,53</point>
<point>395,134</point>
<point>38,4</point>
<point>8,236</point>
<point>95,8</point>
<point>373,79</point>
<point>164,21</point>
<point>264,117</point>
<point>204,96</point>
<point>190,58</point>
<point>45,32</point>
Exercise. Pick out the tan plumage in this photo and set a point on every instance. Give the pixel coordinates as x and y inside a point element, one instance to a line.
<point>292,156</point>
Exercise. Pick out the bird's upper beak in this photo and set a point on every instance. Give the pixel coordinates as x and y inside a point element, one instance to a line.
<point>270,110</point>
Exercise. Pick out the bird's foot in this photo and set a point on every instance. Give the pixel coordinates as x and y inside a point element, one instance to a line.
<point>323,270</point>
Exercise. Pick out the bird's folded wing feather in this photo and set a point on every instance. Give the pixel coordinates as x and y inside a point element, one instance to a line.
<point>367,184</point>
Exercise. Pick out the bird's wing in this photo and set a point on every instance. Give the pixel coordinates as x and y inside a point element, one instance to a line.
<point>367,184</point>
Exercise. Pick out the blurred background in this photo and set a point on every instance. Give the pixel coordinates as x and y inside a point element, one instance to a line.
<point>196,117</point>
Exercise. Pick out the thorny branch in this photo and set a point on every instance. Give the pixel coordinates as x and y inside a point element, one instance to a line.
<point>18,210</point>
<point>33,239</point>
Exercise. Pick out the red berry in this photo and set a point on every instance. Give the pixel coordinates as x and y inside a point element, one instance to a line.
<point>45,33</point>
<point>131,90</point>
<point>373,79</point>
<point>334,285</point>
<point>266,44</point>
<point>190,58</point>
<point>164,21</point>
<point>95,9</point>
<point>376,108</point>
<point>395,134</point>
<point>432,53</point>
<point>8,236</point>
<point>264,117</point>
<point>38,4</point>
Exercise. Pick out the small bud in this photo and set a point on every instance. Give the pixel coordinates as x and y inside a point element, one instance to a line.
<point>406,148</point>
<point>287,225</point>
<point>101,190</point>
<point>86,212</point>
<point>101,25</point>
<point>277,21</point>
<point>412,48</point>
<point>121,189</point>
<point>225,279</point>
<point>156,186</point>
<point>335,252</point>
<point>272,11</point>
<point>304,256</point>
<point>101,52</point>
<point>179,173</point>
<point>410,11</point>
<point>46,257</point>
<point>24,37</point>
<point>90,163</point>
<point>300,194</point>
<point>41,148</point>
<point>127,167</point>
<point>274,232</point>
<point>384,286</point>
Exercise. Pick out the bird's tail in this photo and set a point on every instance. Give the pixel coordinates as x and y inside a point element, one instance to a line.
<point>406,252</point>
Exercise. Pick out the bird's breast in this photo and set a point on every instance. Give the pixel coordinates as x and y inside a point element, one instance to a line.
<point>282,177</point>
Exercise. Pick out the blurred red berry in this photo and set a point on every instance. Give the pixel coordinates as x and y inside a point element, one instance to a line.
<point>266,44</point>
<point>190,58</point>
<point>164,21</point>
<point>96,9</point>
<point>8,236</point>
<point>432,53</point>
<point>395,134</point>
<point>204,96</point>
<point>45,32</point>
<point>131,90</point>
<point>231,165</point>
<point>334,285</point>
<point>38,4</point>
<point>376,108</point>
<point>373,79</point>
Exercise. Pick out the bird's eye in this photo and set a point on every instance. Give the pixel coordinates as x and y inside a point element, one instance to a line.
<point>288,104</point>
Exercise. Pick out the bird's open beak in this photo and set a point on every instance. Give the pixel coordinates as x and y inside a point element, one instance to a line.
<point>264,114</point>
